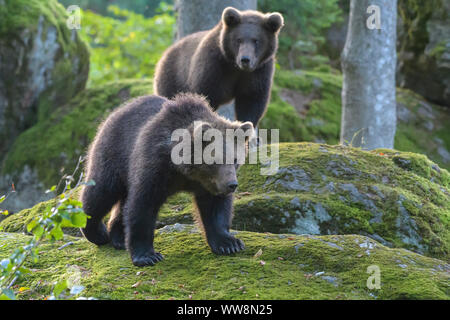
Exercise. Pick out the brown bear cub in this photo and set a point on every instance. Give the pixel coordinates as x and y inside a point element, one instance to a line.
<point>234,60</point>
<point>130,161</point>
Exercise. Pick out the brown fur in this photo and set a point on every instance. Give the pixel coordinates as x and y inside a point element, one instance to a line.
<point>234,60</point>
<point>130,162</point>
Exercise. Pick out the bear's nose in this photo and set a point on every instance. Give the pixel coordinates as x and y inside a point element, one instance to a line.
<point>232,186</point>
<point>245,60</point>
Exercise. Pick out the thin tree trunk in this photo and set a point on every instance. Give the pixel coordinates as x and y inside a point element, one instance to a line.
<point>198,15</point>
<point>368,64</point>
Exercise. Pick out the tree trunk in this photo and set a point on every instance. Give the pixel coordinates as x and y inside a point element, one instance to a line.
<point>369,64</point>
<point>198,15</point>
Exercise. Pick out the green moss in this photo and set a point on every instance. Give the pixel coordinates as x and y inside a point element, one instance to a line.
<point>25,28</point>
<point>59,140</point>
<point>355,187</point>
<point>323,113</point>
<point>18,15</point>
<point>18,222</point>
<point>296,267</point>
<point>282,115</point>
<point>424,130</point>
<point>438,50</point>
<point>415,16</point>
<point>399,198</point>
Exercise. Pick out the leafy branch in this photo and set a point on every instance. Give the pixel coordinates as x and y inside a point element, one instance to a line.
<point>66,212</point>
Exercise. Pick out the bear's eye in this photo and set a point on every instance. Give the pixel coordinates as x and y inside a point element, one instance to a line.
<point>239,40</point>
<point>255,41</point>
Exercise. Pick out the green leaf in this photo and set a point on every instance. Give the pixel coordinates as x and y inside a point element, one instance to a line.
<point>35,254</point>
<point>59,288</point>
<point>31,225</point>
<point>7,294</point>
<point>56,218</point>
<point>79,219</point>
<point>38,231</point>
<point>57,233</point>
<point>24,270</point>
<point>52,189</point>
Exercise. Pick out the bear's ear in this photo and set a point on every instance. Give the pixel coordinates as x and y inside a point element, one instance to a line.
<point>247,126</point>
<point>274,21</point>
<point>200,128</point>
<point>231,16</point>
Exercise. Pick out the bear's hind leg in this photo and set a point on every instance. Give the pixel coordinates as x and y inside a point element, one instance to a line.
<point>215,215</point>
<point>97,202</point>
<point>140,212</point>
<point>116,228</point>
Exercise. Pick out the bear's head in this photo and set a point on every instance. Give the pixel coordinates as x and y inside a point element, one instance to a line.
<point>249,38</point>
<point>215,151</point>
<point>224,147</point>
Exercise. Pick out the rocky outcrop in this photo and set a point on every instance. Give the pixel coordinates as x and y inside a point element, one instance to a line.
<point>399,199</point>
<point>43,64</point>
<point>424,50</point>
<point>396,198</point>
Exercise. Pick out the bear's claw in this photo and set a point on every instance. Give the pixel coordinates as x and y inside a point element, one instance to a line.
<point>227,245</point>
<point>148,259</point>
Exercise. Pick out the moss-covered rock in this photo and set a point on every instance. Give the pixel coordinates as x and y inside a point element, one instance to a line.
<point>49,62</point>
<point>290,267</point>
<point>423,127</point>
<point>400,199</point>
<point>54,145</point>
<point>424,48</point>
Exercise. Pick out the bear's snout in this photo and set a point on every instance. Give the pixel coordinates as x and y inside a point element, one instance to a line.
<point>246,59</point>
<point>232,186</point>
<point>226,180</point>
<point>226,188</point>
<point>246,63</point>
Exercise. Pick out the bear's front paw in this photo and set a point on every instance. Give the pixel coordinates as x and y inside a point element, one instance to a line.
<point>226,244</point>
<point>118,243</point>
<point>146,259</point>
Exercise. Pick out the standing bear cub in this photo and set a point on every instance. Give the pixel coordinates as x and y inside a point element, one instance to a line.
<point>235,59</point>
<point>130,161</point>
